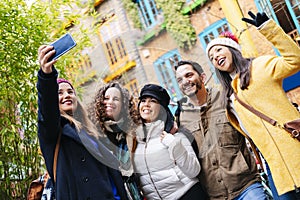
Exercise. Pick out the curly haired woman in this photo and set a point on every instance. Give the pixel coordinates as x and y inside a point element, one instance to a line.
<point>115,113</point>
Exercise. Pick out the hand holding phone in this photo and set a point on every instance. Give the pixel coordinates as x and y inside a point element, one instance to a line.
<point>62,46</point>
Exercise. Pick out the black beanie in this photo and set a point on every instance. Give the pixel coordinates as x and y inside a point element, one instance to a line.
<point>161,94</point>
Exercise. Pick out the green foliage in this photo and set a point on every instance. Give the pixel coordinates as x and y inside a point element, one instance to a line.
<point>132,11</point>
<point>177,24</point>
<point>23,29</point>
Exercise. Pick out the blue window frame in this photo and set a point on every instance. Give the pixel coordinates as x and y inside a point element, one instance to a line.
<point>266,6</point>
<point>148,12</point>
<point>210,33</point>
<point>294,8</point>
<point>164,68</point>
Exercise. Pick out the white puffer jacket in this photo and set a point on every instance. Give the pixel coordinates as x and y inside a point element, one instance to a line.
<point>166,169</point>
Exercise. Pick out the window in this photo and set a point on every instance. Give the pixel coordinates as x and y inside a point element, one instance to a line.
<point>80,68</point>
<point>295,5</point>
<point>148,12</point>
<point>133,88</point>
<point>164,68</point>
<point>265,6</point>
<point>85,62</point>
<point>213,31</point>
<point>210,33</point>
<point>285,13</point>
<point>112,42</point>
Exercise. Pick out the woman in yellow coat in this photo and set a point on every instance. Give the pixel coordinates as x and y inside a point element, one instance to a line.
<point>258,82</point>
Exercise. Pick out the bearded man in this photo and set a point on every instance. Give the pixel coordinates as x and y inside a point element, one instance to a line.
<point>228,169</point>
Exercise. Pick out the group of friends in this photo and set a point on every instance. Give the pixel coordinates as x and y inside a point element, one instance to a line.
<point>115,149</point>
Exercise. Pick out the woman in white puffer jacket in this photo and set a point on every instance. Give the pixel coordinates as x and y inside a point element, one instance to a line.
<point>165,164</point>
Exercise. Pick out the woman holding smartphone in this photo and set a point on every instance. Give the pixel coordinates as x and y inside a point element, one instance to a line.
<point>82,170</point>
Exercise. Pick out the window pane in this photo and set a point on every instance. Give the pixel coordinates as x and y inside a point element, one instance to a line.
<point>165,65</point>
<point>148,11</point>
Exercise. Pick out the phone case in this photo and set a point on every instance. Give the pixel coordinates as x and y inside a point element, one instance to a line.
<point>63,45</point>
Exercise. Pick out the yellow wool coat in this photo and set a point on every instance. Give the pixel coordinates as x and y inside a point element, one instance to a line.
<point>265,94</point>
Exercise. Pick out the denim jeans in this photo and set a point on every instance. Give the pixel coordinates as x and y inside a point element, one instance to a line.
<point>292,195</point>
<point>254,191</point>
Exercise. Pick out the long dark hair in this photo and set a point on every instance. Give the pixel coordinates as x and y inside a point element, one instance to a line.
<point>80,119</point>
<point>242,67</point>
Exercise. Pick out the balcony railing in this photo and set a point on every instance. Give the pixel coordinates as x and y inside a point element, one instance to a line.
<point>295,36</point>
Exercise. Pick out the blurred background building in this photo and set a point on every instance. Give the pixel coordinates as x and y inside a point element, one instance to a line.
<point>136,56</point>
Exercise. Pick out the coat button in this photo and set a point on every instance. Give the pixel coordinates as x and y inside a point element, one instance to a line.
<point>85,179</point>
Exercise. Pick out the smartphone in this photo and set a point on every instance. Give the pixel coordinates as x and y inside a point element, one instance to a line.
<point>62,46</point>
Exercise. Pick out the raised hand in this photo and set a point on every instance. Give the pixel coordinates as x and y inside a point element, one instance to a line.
<point>257,20</point>
<point>44,53</point>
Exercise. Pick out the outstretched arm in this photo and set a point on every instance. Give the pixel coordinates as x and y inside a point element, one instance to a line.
<point>48,108</point>
<point>288,62</point>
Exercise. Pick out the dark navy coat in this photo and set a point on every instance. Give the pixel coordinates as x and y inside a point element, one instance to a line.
<point>79,174</point>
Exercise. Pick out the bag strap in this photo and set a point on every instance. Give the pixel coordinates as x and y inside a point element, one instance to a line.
<point>261,115</point>
<point>256,112</point>
<point>56,154</point>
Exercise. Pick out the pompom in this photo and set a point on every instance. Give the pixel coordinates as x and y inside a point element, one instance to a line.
<point>228,34</point>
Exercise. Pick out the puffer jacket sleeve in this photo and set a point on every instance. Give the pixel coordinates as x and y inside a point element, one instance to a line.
<point>182,153</point>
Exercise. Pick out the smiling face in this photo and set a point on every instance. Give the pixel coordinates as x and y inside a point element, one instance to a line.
<point>189,81</point>
<point>67,98</point>
<point>149,109</point>
<point>113,103</point>
<point>221,58</point>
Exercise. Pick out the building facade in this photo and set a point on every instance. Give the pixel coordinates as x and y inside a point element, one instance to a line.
<point>159,52</point>
<point>114,55</point>
<point>136,57</point>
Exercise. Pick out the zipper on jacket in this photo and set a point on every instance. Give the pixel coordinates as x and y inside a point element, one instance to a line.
<point>146,144</point>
